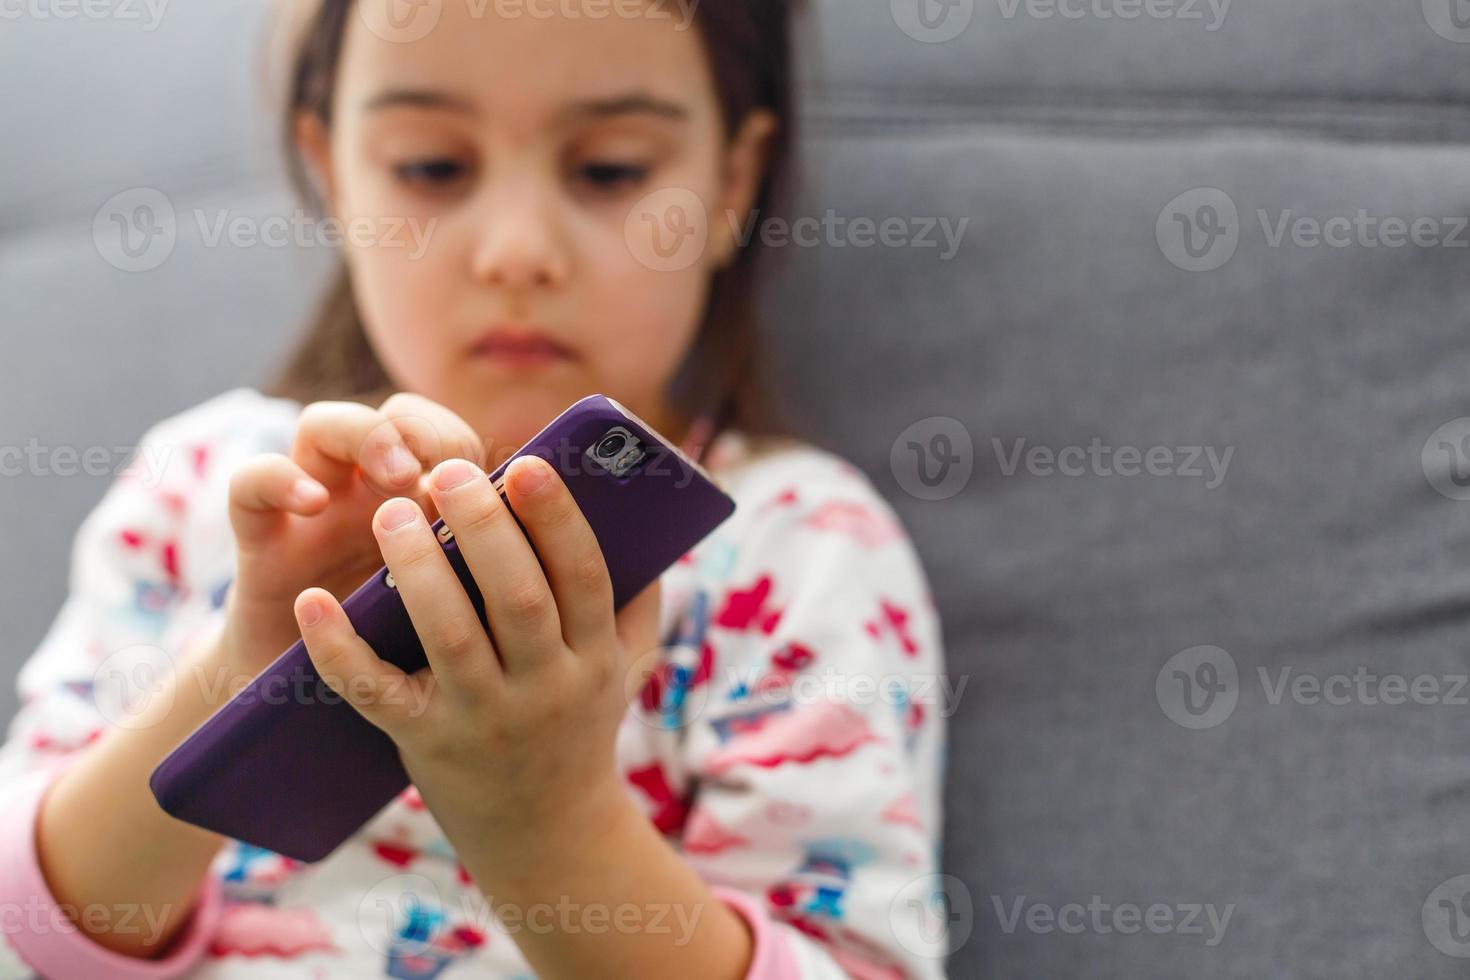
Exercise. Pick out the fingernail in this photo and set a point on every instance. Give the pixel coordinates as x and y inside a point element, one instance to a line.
<point>401,464</point>
<point>305,491</point>
<point>311,612</point>
<point>530,477</point>
<point>395,514</point>
<point>455,473</point>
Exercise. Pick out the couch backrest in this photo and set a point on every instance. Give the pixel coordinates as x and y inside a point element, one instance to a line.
<point>1075,332</point>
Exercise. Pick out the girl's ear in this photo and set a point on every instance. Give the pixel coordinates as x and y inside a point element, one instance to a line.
<point>745,168</point>
<point>314,144</point>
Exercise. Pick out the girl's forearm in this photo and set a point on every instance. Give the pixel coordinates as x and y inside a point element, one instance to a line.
<point>611,898</point>
<point>105,846</point>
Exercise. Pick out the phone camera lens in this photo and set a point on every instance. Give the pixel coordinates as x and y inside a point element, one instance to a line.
<point>611,445</point>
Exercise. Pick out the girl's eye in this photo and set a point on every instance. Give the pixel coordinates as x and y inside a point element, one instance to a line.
<point>431,173</point>
<point>611,176</point>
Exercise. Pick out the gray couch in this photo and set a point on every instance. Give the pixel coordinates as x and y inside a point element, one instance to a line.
<point>1208,577</point>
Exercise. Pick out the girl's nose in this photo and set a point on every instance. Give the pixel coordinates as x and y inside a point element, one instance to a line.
<point>519,246</point>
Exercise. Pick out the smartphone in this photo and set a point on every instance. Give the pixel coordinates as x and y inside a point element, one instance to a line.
<point>289,766</point>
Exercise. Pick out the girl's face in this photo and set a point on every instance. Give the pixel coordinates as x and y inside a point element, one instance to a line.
<point>515,153</point>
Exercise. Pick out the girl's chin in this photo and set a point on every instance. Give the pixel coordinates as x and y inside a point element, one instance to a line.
<point>507,419</point>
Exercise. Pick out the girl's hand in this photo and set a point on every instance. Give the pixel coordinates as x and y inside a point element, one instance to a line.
<point>304,519</point>
<point>512,749</point>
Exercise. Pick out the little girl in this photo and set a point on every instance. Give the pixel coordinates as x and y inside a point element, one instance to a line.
<point>764,803</point>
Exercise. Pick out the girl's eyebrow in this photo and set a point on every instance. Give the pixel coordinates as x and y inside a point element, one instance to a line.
<point>622,105</point>
<point>632,103</point>
<point>419,98</point>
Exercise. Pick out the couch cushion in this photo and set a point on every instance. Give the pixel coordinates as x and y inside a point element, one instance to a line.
<point>1074,320</point>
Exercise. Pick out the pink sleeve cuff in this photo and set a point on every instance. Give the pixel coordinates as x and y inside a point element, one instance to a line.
<point>51,944</point>
<point>771,958</point>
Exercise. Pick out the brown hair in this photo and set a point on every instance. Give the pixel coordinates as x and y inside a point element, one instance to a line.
<point>748,45</point>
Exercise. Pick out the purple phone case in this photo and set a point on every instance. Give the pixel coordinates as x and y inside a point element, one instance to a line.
<point>299,775</point>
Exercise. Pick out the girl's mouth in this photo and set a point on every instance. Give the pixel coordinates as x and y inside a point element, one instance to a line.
<point>520,347</point>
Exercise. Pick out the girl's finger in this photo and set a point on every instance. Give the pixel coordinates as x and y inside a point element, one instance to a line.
<point>637,622</point>
<point>519,604</point>
<point>264,490</point>
<point>379,691</point>
<point>454,641</point>
<point>568,550</point>
<point>337,440</point>
<point>430,431</point>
